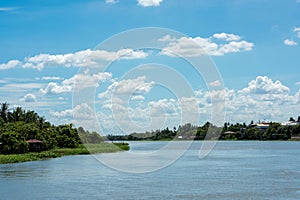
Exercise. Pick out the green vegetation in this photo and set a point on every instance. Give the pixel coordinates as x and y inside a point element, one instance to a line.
<point>20,129</point>
<point>54,153</point>
<point>272,131</point>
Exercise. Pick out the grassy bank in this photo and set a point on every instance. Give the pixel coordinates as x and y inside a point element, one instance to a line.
<point>54,153</point>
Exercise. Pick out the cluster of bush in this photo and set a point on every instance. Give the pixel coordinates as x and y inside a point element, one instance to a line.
<point>18,126</point>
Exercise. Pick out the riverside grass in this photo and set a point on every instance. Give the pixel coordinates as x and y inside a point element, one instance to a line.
<point>59,152</point>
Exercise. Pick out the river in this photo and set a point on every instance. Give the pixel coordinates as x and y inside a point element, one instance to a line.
<point>233,170</point>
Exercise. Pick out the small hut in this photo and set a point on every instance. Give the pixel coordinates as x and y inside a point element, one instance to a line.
<point>35,145</point>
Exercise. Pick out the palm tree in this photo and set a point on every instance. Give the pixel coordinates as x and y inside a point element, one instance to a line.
<point>3,111</point>
<point>31,116</point>
<point>18,114</point>
<point>41,121</point>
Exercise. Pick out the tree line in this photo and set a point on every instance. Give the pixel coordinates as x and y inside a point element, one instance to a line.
<point>18,125</point>
<point>237,131</point>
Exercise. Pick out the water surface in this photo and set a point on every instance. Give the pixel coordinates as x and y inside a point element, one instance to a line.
<point>233,170</point>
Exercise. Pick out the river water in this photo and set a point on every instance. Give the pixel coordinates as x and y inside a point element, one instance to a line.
<point>233,170</point>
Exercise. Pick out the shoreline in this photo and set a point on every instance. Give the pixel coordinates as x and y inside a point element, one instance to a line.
<point>290,140</point>
<point>60,152</point>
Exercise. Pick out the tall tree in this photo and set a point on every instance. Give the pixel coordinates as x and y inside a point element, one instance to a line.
<point>17,114</point>
<point>3,111</point>
<point>292,119</point>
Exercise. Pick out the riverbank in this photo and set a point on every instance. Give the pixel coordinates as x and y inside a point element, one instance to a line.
<point>59,152</point>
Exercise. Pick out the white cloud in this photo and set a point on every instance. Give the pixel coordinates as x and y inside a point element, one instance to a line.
<point>163,106</point>
<point>198,46</point>
<point>83,110</point>
<point>113,55</point>
<point>47,60</point>
<point>290,42</point>
<point>227,37</point>
<point>216,83</point>
<point>297,30</point>
<point>79,81</point>
<point>262,99</point>
<point>80,115</point>
<point>55,88</point>
<point>167,38</point>
<point>10,64</point>
<point>128,87</point>
<point>133,86</point>
<point>265,85</point>
<point>111,1</point>
<point>29,98</point>
<point>52,78</point>
<point>138,98</point>
<point>85,58</point>
<point>149,3</point>
<point>235,46</point>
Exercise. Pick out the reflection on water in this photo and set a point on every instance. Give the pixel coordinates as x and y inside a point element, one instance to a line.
<point>233,170</point>
<point>23,170</point>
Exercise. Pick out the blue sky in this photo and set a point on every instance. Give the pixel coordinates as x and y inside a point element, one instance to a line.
<point>254,44</point>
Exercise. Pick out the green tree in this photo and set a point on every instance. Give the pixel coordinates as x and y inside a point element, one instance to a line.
<point>12,142</point>
<point>292,119</point>
<point>4,111</point>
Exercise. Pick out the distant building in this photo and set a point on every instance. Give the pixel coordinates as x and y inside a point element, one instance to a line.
<point>263,126</point>
<point>229,133</point>
<point>35,145</point>
<point>290,123</point>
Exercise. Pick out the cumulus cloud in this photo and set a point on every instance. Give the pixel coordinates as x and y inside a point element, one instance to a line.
<point>85,58</point>
<point>297,30</point>
<point>81,115</point>
<point>163,106</point>
<point>167,38</point>
<point>83,110</point>
<point>135,86</point>
<point>81,81</point>
<point>226,36</point>
<point>138,98</point>
<point>10,64</point>
<point>265,85</point>
<point>128,88</point>
<point>198,46</point>
<point>55,88</point>
<point>216,83</point>
<point>149,3</point>
<point>263,98</point>
<point>78,81</point>
<point>29,98</point>
<point>290,42</point>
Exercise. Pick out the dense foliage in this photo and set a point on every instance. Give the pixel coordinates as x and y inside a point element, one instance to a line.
<point>17,126</point>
